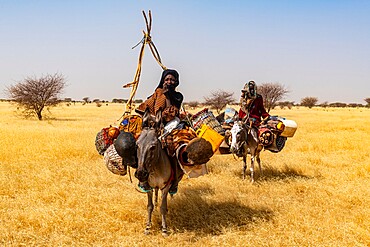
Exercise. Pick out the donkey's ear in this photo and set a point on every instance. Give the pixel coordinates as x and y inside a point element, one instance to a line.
<point>158,119</point>
<point>146,118</point>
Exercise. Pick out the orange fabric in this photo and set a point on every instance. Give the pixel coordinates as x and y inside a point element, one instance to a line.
<point>179,137</point>
<point>159,101</point>
<point>131,123</point>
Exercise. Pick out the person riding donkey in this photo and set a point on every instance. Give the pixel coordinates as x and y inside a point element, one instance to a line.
<point>251,106</point>
<point>166,99</point>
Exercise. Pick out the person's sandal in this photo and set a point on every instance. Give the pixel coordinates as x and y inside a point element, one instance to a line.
<point>144,187</point>
<point>173,189</point>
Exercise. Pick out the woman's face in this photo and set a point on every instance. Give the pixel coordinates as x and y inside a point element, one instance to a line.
<point>169,80</point>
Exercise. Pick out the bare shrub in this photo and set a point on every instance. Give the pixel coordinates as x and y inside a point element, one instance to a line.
<point>219,99</point>
<point>272,93</point>
<point>367,100</point>
<point>309,101</point>
<point>33,94</point>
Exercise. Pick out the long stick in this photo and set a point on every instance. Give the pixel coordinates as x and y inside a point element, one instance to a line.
<point>146,40</point>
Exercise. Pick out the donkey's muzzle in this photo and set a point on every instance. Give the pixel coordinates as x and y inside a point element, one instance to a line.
<point>238,150</point>
<point>142,175</point>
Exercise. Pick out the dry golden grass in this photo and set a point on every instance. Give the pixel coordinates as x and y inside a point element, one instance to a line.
<point>56,191</point>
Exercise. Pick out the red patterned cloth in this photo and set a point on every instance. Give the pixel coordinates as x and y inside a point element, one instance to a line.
<point>256,111</point>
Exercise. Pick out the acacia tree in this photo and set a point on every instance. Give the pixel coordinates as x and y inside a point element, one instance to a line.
<point>367,100</point>
<point>272,93</point>
<point>33,94</point>
<point>219,99</point>
<point>309,101</point>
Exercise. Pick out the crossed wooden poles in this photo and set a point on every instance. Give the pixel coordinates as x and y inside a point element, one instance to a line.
<point>147,39</point>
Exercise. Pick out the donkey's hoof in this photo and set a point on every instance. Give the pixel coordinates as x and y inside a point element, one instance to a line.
<point>147,231</point>
<point>165,233</point>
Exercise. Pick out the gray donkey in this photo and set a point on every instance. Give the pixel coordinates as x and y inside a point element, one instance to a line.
<point>154,166</point>
<point>244,141</point>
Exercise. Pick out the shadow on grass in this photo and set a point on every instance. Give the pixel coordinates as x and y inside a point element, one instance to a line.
<point>271,173</point>
<point>191,211</point>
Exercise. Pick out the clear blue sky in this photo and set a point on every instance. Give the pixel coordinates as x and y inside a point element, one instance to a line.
<point>315,48</point>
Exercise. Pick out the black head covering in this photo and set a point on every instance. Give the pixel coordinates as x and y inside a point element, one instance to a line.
<point>176,98</point>
<point>169,72</point>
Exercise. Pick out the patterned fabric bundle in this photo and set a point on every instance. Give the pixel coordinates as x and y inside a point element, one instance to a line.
<point>169,113</point>
<point>182,136</point>
<point>131,123</point>
<point>104,139</point>
<point>265,136</point>
<point>178,137</point>
<point>114,162</point>
<point>180,140</point>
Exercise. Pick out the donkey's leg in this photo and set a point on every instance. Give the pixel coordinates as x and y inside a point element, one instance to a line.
<point>259,162</point>
<point>252,168</point>
<point>164,211</point>
<point>150,208</point>
<point>244,165</point>
<point>155,197</point>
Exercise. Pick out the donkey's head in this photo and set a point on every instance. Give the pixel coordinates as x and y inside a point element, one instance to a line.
<point>238,138</point>
<point>148,145</point>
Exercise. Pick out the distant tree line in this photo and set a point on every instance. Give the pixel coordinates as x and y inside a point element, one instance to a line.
<point>312,101</point>
<point>35,94</point>
<point>271,93</point>
<point>87,100</point>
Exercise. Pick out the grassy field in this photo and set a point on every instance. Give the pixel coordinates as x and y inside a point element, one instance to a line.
<point>56,191</point>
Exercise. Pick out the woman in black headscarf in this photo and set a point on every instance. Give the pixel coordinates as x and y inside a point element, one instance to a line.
<point>165,97</point>
<point>169,101</point>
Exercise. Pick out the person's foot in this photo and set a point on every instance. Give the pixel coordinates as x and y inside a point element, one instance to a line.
<point>174,187</point>
<point>144,187</point>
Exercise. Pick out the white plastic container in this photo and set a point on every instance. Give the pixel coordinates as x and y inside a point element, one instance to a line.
<point>290,127</point>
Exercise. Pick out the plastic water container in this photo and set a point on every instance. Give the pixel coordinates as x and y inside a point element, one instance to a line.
<point>290,127</point>
<point>210,135</point>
